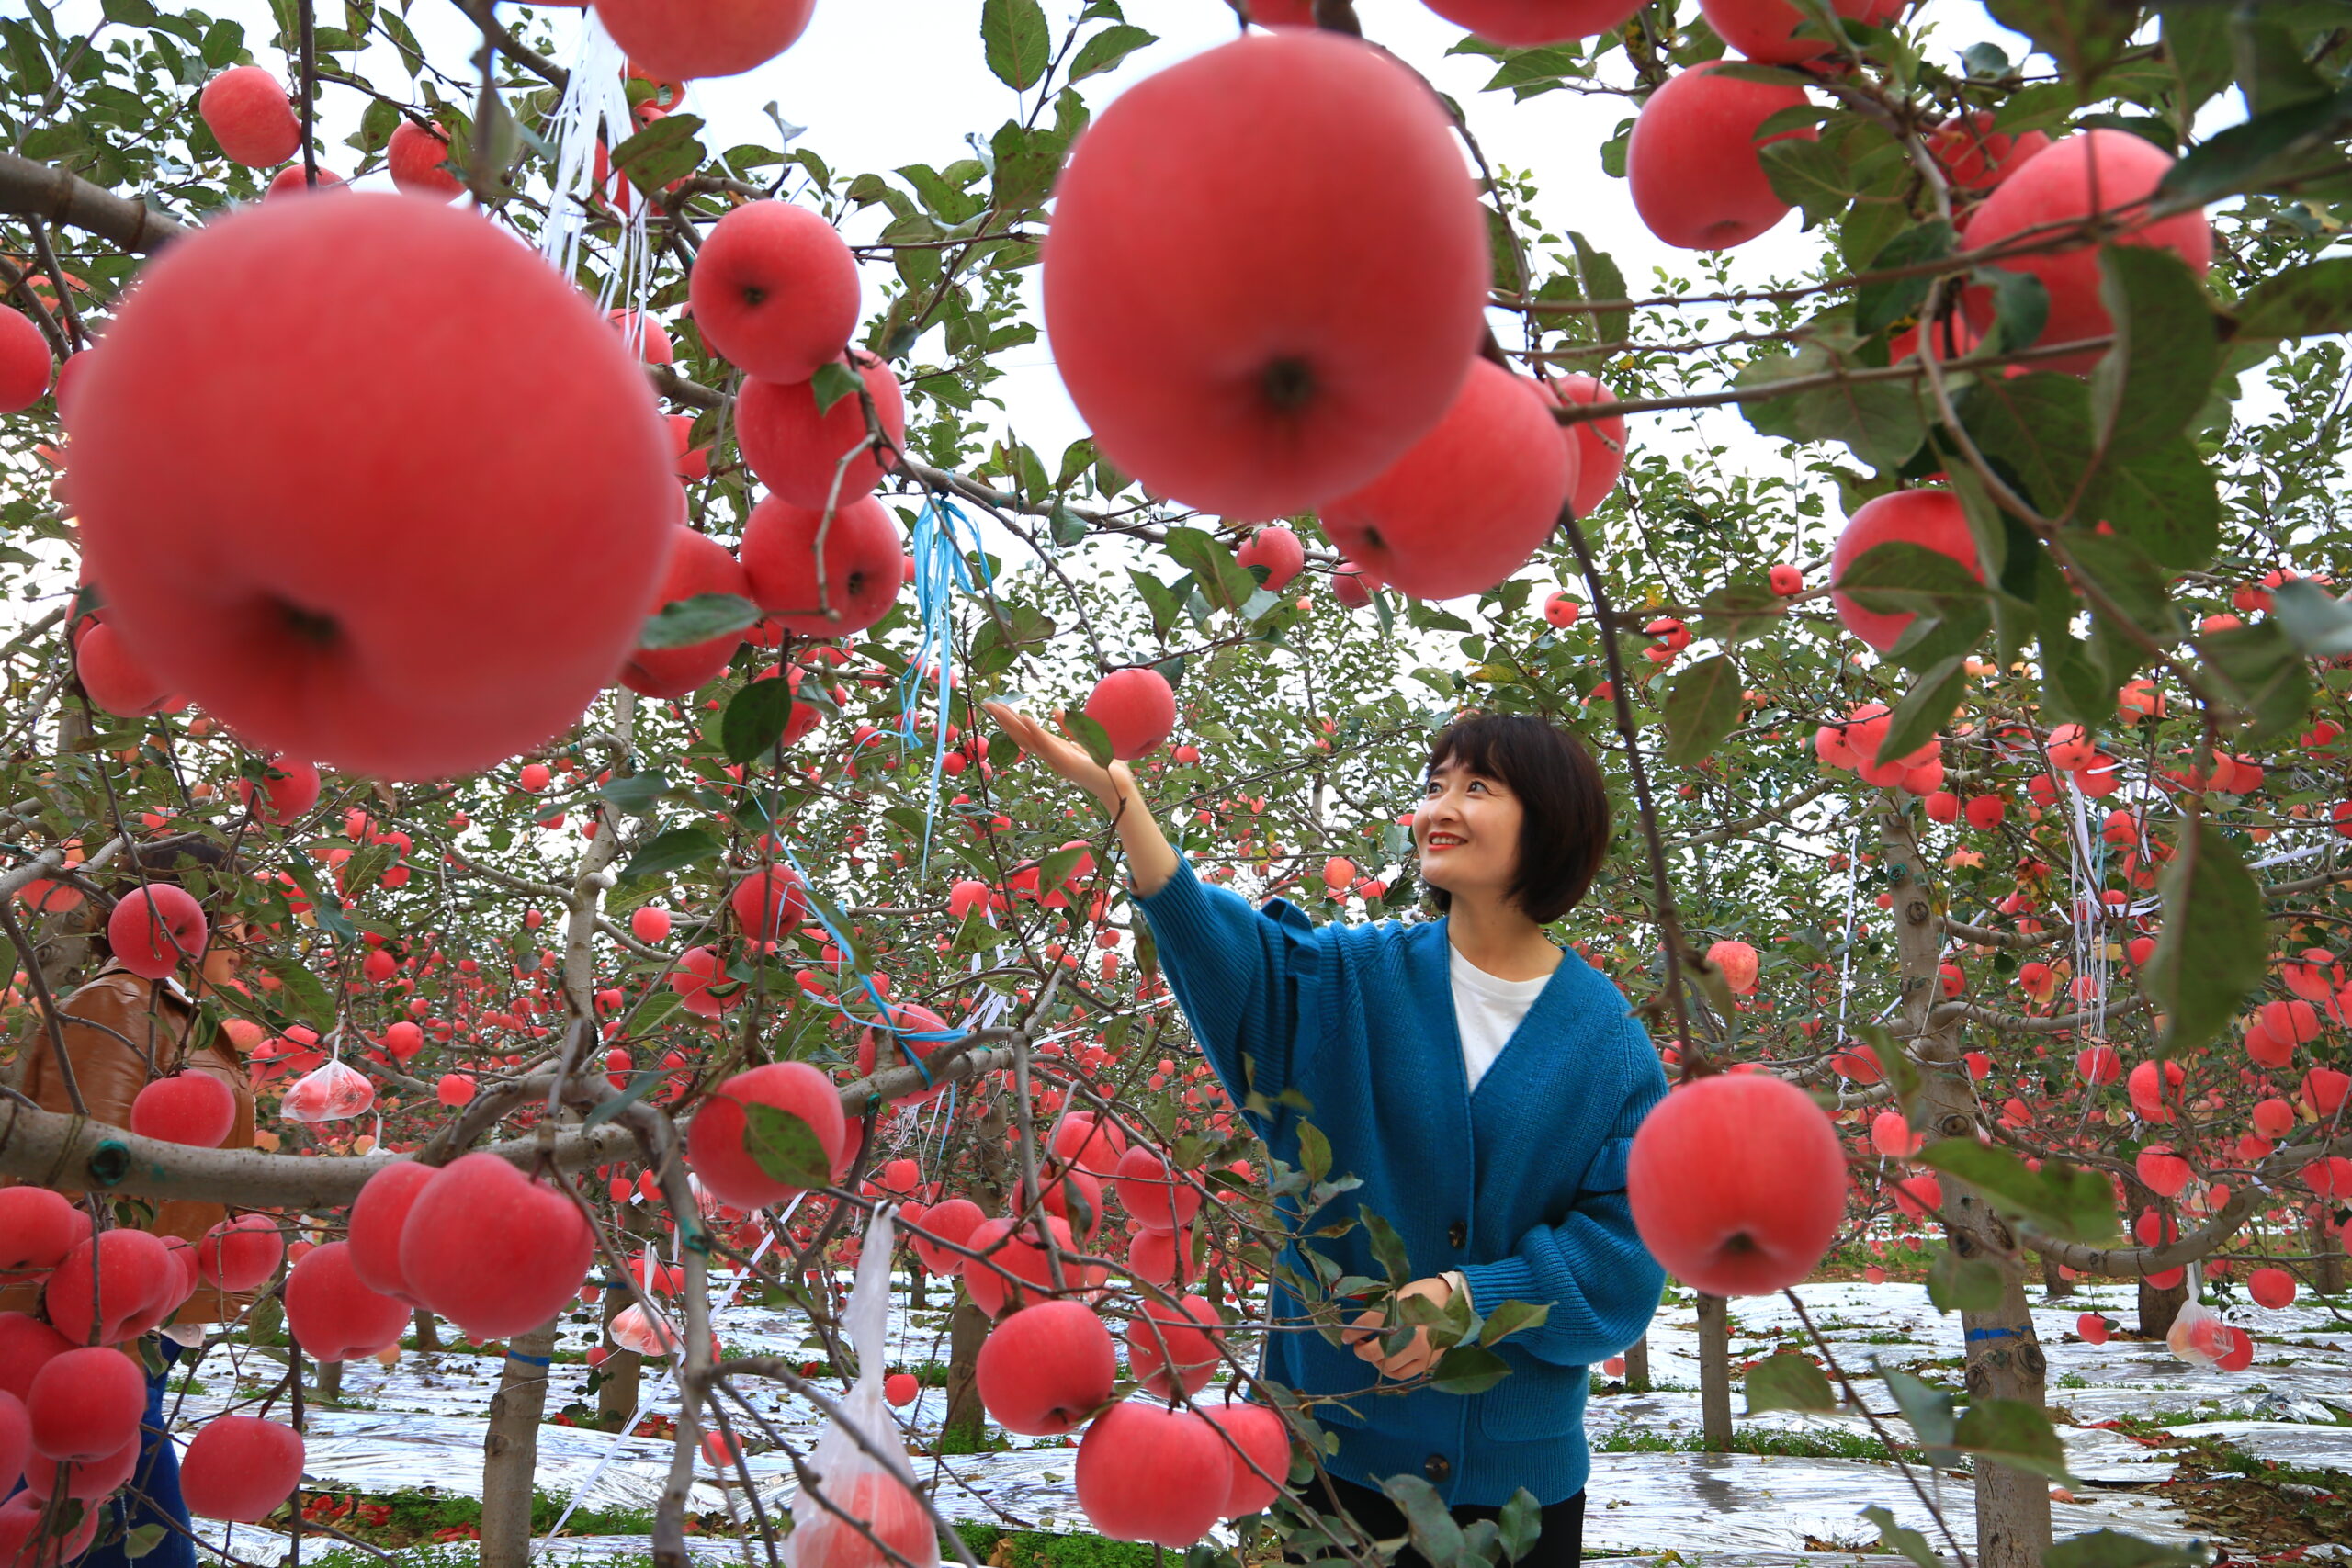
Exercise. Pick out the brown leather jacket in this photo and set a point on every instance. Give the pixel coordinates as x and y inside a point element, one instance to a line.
<point>98,1020</point>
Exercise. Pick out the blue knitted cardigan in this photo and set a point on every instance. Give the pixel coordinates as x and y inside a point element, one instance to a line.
<point>1521,1185</point>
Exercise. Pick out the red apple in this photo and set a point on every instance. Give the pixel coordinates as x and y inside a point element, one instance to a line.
<point>953,1221</point>
<point>1697,180</point>
<point>296,340</point>
<point>775,291</point>
<point>379,1216</point>
<point>25,362</point>
<point>1277,549</point>
<point>240,1468</point>
<point>84,1405</point>
<point>894,1514</point>
<point>288,790</point>
<point>1468,502</point>
<point>1528,24</point>
<point>716,1144</point>
<point>27,1345</point>
<point>333,1315</point>
<point>1975,157</point>
<point>1145,1473</point>
<point>1172,1347</point>
<point>38,1227</point>
<point>1157,1199</point>
<point>1738,1183</point>
<point>241,1254</point>
<point>1228,302</point>
<point>1012,1246</point>
<point>114,679</point>
<point>2271,1288</point>
<point>908,1019</point>
<point>1258,1437</point>
<point>195,1108</point>
<point>1135,707</point>
<point>418,159</point>
<point>1047,1367</point>
<point>1929,518</point>
<point>679,40</point>
<point>697,564</point>
<point>2104,170</point>
<point>797,452</point>
<point>491,1250</point>
<point>250,116</point>
<point>155,928</point>
<point>862,566</point>
<point>1599,442</point>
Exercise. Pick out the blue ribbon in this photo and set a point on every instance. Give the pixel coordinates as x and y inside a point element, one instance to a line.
<point>1971,1335</point>
<point>940,570</point>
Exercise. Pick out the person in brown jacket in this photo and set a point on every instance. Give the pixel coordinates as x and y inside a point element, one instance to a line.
<point>121,1030</point>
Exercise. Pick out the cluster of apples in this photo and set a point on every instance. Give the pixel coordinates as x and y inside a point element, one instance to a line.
<point>1292,356</point>
<point>73,1391</point>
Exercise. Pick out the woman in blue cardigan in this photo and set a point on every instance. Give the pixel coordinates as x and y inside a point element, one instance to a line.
<point>1482,1083</point>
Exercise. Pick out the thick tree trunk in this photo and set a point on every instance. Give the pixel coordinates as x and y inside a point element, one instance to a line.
<point>616,1391</point>
<point>967,1328</point>
<point>328,1386</point>
<point>1637,1366</point>
<point>510,1450</point>
<point>2159,1307</point>
<point>2005,1358</point>
<point>2327,1274</point>
<point>918,1278</point>
<point>428,1337</point>
<point>1714,1371</point>
<point>2053,1283</point>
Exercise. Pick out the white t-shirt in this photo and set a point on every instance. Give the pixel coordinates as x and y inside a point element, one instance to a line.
<point>1487,1010</point>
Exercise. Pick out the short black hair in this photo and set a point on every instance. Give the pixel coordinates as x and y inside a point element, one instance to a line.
<point>1564,831</point>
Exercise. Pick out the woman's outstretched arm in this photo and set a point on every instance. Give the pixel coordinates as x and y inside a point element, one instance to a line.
<point>1151,860</point>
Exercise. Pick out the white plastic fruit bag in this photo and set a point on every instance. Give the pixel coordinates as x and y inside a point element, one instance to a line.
<point>2198,1336</point>
<point>329,1092</point>
<point>853,1481</point>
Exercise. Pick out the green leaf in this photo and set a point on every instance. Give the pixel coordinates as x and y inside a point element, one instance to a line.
<point>2039,427</point>
<point>2066,1201</point>
<point>685,623</point>
<point>2318,623</point>
<point>1387,1246</point>
<point>2013,1433</point>
<point>2209,952</point>
<point>1925,708</point>
<point>1737,613</point>
<point>1227,583</point>
<point>2269,64</point>
<point>636,794</point>
<point>1902,1538</point>
<point>1510,1317</point>
<point>639,1085</point>
<point>834,382</point>
<point>2086,37</point>
<point>1089,734</point>
<point>2280,151</point>
<point>667,149</point>
<point>1429,1524</point>
<point>1018,43</point>
<point>2115,1549</point>
<point>1882,421</point>
<point>1701,707</point>
<point>1788,1382</point>
<point>755,720</point>
<point>1879,305</point>
<point>1602,283</point>
<point>2152,383</point>
<point>377,123</point>
<point>2162,499</point>
<point>785,1147</point>
<point>146,1538</point>
<point>2197,46</point>
<point>1807,175</point>
<point>1927,1409</point>
<point>1468,1368</point>
<point>1900,575</point>
<point>2265,674</point>
<point>1519,1524</point>
<point>2305,301</point>
<point>668,851</point>
<point>299,990</point>
<point>1963,1284</point>
<point>1107,49</point>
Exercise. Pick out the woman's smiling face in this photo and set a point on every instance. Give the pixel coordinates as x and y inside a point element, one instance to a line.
<point>1467,831</point>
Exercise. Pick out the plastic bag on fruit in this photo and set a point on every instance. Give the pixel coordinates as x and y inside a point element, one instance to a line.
<point>853,1480</point>
<point>329,1092</point>
<point>2198,1336</point>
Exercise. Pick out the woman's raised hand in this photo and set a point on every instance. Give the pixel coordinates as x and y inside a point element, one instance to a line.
<point>1064,756</point>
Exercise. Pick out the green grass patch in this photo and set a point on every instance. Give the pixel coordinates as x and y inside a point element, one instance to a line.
<point>1829,1443</point>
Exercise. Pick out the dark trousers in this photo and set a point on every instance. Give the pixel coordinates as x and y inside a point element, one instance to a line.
<point>157,1482</point>
<point>1560,1544</point>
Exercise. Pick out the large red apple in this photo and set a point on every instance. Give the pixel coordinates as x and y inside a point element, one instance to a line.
<point>698,564</point>
<point>1931,518</point>
<point>491,1250</point>
<point>193,1108</point>
<point>715,1138</point>
<point>1467,503</point>
<point>775,291</point>
<point>1232,301</point>
<point>37,1228</point>
<point>678,41</point>
<point>1047,1367</point>
<point>2102,171</point>
<point>1158,1199</point>
<point>497,536</point>
<point>114,679</point>
<point>1697,180</point>
<point>1528,24</point>
<point>288,790</point>
<point>953,1221</point>
<point>1738,1183</point>
<point>1168,1347</point>
<point>1277,550</point>
<point>887,1508</point>
<point>154,929</point>
<point>25,362</point>
<point>1765,30</point>
<point>85,1405</point>
<point>1975,157</point>
<point>239,1255</point>
<point>418,159</point>
<point>1599,442</point>
<point>1011,1245</point>
<point>333,1315</point>
<point>250,116</point>
<point>862,568</point>
<point>1257,1432</point>
<point>1145,1473</point>
<point>1135,707</point>
<point>240,1468</point>
<point>379,1215</point>
<point>797,452</point>
<point>27,1345</point>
